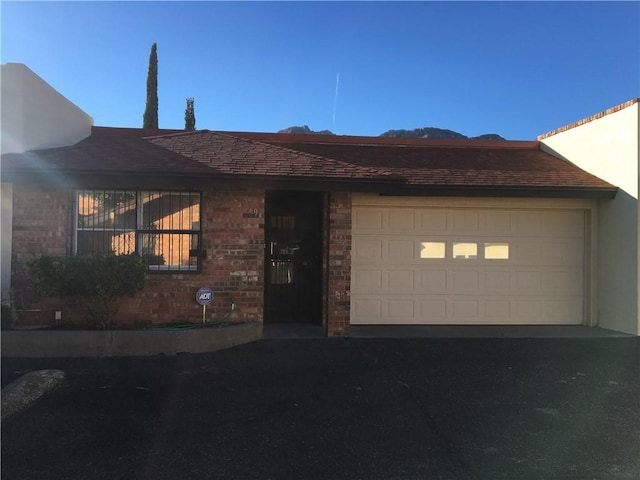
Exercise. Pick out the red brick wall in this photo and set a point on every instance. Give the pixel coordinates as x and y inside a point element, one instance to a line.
<point>339,261</point>
<point>232,235</point>
<point>41,224</point>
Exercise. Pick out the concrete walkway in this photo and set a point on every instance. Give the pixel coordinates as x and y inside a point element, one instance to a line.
<point>482,331</point>
<point>301,330</point>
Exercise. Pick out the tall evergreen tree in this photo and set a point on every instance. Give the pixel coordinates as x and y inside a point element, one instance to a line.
<point>150,118</point>
<point>189,116</point>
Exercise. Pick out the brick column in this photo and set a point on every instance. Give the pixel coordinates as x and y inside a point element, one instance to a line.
<point>41,225</point>
<point>339,281</point>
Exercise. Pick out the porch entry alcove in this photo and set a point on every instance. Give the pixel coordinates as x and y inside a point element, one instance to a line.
<point>293,256</point>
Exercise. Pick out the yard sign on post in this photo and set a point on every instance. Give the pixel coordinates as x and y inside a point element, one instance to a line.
<point>204,296</point>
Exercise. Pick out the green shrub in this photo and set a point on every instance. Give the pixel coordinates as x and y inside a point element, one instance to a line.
<point>98,281</point>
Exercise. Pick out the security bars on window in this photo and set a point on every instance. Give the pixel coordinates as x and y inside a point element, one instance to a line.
<point>163,227</point>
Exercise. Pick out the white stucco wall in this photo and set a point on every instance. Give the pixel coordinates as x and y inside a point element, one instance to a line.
<point>607,145</point>
<point>35,115</point>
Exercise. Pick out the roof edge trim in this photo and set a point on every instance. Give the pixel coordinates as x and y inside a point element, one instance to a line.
<point>589,119</point>
<point>506,192</point>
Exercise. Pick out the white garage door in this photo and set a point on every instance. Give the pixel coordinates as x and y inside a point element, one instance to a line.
<point>425,265</point>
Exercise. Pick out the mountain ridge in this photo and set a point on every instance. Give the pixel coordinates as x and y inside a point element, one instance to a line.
<point>425,132</point>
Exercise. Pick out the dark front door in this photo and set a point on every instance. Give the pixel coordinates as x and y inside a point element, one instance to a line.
<point>293,263</point>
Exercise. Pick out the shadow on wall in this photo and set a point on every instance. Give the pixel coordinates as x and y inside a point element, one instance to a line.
<point>617,259</point>
<point>617,267</point>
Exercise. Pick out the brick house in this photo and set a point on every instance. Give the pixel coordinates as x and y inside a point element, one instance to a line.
<point>330,230</point>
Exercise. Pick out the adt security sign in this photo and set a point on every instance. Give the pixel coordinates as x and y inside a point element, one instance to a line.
<point>204,296</point>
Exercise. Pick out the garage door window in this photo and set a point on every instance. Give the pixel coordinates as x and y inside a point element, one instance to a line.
<point>496,251</point>
<point>433,250</point>
<point>465,250</point>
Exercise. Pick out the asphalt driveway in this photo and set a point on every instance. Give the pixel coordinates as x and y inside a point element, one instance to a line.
<point>339,409</point>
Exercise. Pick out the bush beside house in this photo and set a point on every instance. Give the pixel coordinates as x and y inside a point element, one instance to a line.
<point>97,282</point>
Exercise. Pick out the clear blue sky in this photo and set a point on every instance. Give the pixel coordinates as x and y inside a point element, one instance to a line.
<point>518,69</point>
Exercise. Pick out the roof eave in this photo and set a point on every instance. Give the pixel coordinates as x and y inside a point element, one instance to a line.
<point>506,191</point>
<point>392,186</point>
<point>104,179</point>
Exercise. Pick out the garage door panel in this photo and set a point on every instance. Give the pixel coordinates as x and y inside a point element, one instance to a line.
<point>526,252</point>
<point>365,249</point>
<point>400,280</point>
<point>464,309</point>
<point>465,222</point>
<point>496,311</point>
<point>402,220</point>
<point>368,310</point>
<point>401,308</point>
<point>514,266</point>
<point>563,252</point>
<point>496,282</point>
<point>568,311</point>
<point>367,280</point>
<point>433,310</point>
<point>528,224</point>
<point>368,219</point>
<point>496,223</point>
<point>528,283</point>
<point>563,282</point>
<point>563,224</point>
<point>464,281</point>
<point>528,311</point>
<point>401,250</point>
<point>433,281</point>
<point>433,221</point>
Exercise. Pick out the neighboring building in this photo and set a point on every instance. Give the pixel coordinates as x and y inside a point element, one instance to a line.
<point>329,230</point>
<point>607,145</point>
<point>33,116</point>
<point>36,116</point>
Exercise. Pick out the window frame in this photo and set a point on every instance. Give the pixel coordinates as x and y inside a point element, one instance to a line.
<point>482,247</point>
<point>140,229</point>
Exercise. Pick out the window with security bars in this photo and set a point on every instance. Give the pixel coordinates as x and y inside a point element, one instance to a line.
<point>163,227</point>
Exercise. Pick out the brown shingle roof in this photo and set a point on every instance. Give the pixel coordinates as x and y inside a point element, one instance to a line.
<point>448,163</point>
<point>460,167</point>
<point>404,165</point>
<point>240,156</point>
<point>103,152</point>
<point>175,152</point>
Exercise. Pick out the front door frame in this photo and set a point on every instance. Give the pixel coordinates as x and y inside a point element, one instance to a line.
<point>284,294</point>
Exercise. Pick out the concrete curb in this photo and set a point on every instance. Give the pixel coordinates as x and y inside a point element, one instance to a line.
<point>26,390</point>
<point>84,343</point>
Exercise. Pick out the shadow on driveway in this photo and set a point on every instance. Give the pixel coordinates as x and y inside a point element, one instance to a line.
<point>424,408</point>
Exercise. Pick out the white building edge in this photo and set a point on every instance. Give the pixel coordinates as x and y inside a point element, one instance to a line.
<point>33,116</point>
<point>607,145</point>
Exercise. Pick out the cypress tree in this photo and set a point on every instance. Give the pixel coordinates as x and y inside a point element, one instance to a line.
<point>150,118</point>
<point>189,116</point>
